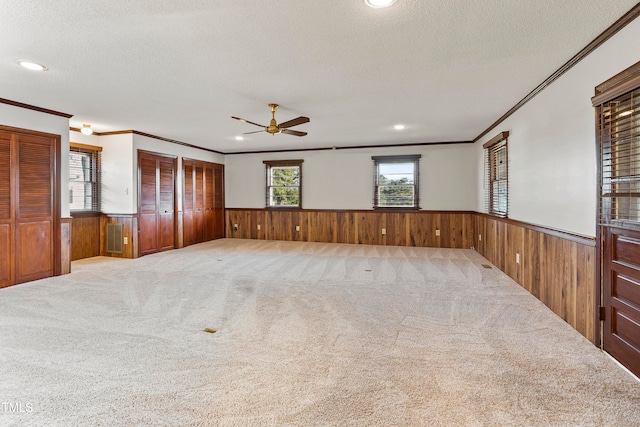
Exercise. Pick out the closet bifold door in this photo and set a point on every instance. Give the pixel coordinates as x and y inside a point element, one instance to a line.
<point>156,202</point>
<point>218,202</point>
<point>6,216</point>
<point>209,191</point>
<point>166,210</point>
<point>34,213</point>
<point>187,203</point>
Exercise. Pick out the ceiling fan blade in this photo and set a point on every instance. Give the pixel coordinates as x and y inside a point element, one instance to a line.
<point>294,122</point>
<point>293,132</point>
<point>249,133</point>
<point>247,121</point>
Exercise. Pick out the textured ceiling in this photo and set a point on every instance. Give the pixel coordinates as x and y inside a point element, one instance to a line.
<point>181,68</point>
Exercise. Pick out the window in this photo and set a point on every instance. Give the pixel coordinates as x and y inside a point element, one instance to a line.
<point>396,181</point>
<point>619,136</point>
<point>284,183</point>
<point>84,177</point>
<point>497,175</point>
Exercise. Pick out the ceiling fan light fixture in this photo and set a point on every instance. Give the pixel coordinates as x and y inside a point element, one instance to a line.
<point>33,66</point>
<point>86,129</point>
<point>377,4</point>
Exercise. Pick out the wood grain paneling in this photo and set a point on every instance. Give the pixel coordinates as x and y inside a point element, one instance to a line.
<point>156,202</point>
<point>65,245</point>
<point>85,237</point>
<point>559,271</point>
<point>402,228</point>
<point>129,230</point>
<point>203,204</point>
<point>6,249</point>
<point>30,206</point>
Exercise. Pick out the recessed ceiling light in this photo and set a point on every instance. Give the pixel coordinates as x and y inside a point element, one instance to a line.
<point>399,126</point>
<point>32,65</point>
<point>239,138</point>
<point>379,3</point>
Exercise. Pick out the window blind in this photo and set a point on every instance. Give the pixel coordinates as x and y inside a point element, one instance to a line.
<point>619,135</point>
<point>84,177</point>
<point>497,175</point>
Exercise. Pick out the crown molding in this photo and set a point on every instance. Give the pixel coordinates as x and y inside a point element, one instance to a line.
<point>34,108</point>
<point>626,19</point>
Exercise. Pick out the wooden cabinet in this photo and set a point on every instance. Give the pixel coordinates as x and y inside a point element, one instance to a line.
<point>29,206</point>
<point>156,202</point>
<point>203,204</point>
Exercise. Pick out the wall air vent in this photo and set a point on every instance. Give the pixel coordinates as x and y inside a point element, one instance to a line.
<point>114,238</point>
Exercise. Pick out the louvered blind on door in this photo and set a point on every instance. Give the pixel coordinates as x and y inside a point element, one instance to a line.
<point>619,134</point>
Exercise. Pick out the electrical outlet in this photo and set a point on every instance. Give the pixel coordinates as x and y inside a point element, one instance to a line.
<point>437,231</point>
<point>235,227</point>
<point>479,237</point>
<point>258,226</point>
<point>297,228</point>
<point>517,258</point>
<point>125,240</point>
<point>384,231</point>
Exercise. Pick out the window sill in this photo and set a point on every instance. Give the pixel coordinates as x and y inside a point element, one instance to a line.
<point>84,214</point>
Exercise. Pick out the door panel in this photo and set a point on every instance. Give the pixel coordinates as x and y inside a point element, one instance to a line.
<point>34,258</point>
<point>199,205</point>
<point>156,203</point>
<point>621,293</point>
<point>34,220</point>
<point>218,205</point>
<point>203,207</point>
<point>6,217</point>
<point>166,204</point>
<point>29,208</point>
<point>209,225</point>
<point>187,204</point>
<point>6,264</point>
<point>147,195</point>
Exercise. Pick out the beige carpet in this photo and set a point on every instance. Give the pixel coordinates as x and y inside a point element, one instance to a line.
<point>308,334</point>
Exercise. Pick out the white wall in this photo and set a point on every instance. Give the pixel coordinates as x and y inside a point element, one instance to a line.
<point>120,166</point>
<point>116,193</point>
<point>343,179</point>
<point>33,120</point>
<point>552,161</point>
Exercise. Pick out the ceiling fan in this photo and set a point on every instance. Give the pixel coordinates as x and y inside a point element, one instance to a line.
<point>274,127</point>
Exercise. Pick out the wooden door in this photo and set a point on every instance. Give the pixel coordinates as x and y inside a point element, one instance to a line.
<point>6,212</point>
<point>209,192</point>
<point>203,204</point>
<point>187,204</point>
<point>198,205</point>
<point>29,206</point>
<point>618,138</point>
<point>166,203</point>
<point>34,218</point>
<point>621,295</point>
<point>218,205</point>
<point>156,202</point>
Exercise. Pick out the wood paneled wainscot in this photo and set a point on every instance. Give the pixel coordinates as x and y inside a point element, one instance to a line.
<point>129,231</point>
<point>439,229</point>
<point>85,235</point>
<point>556,267</point>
